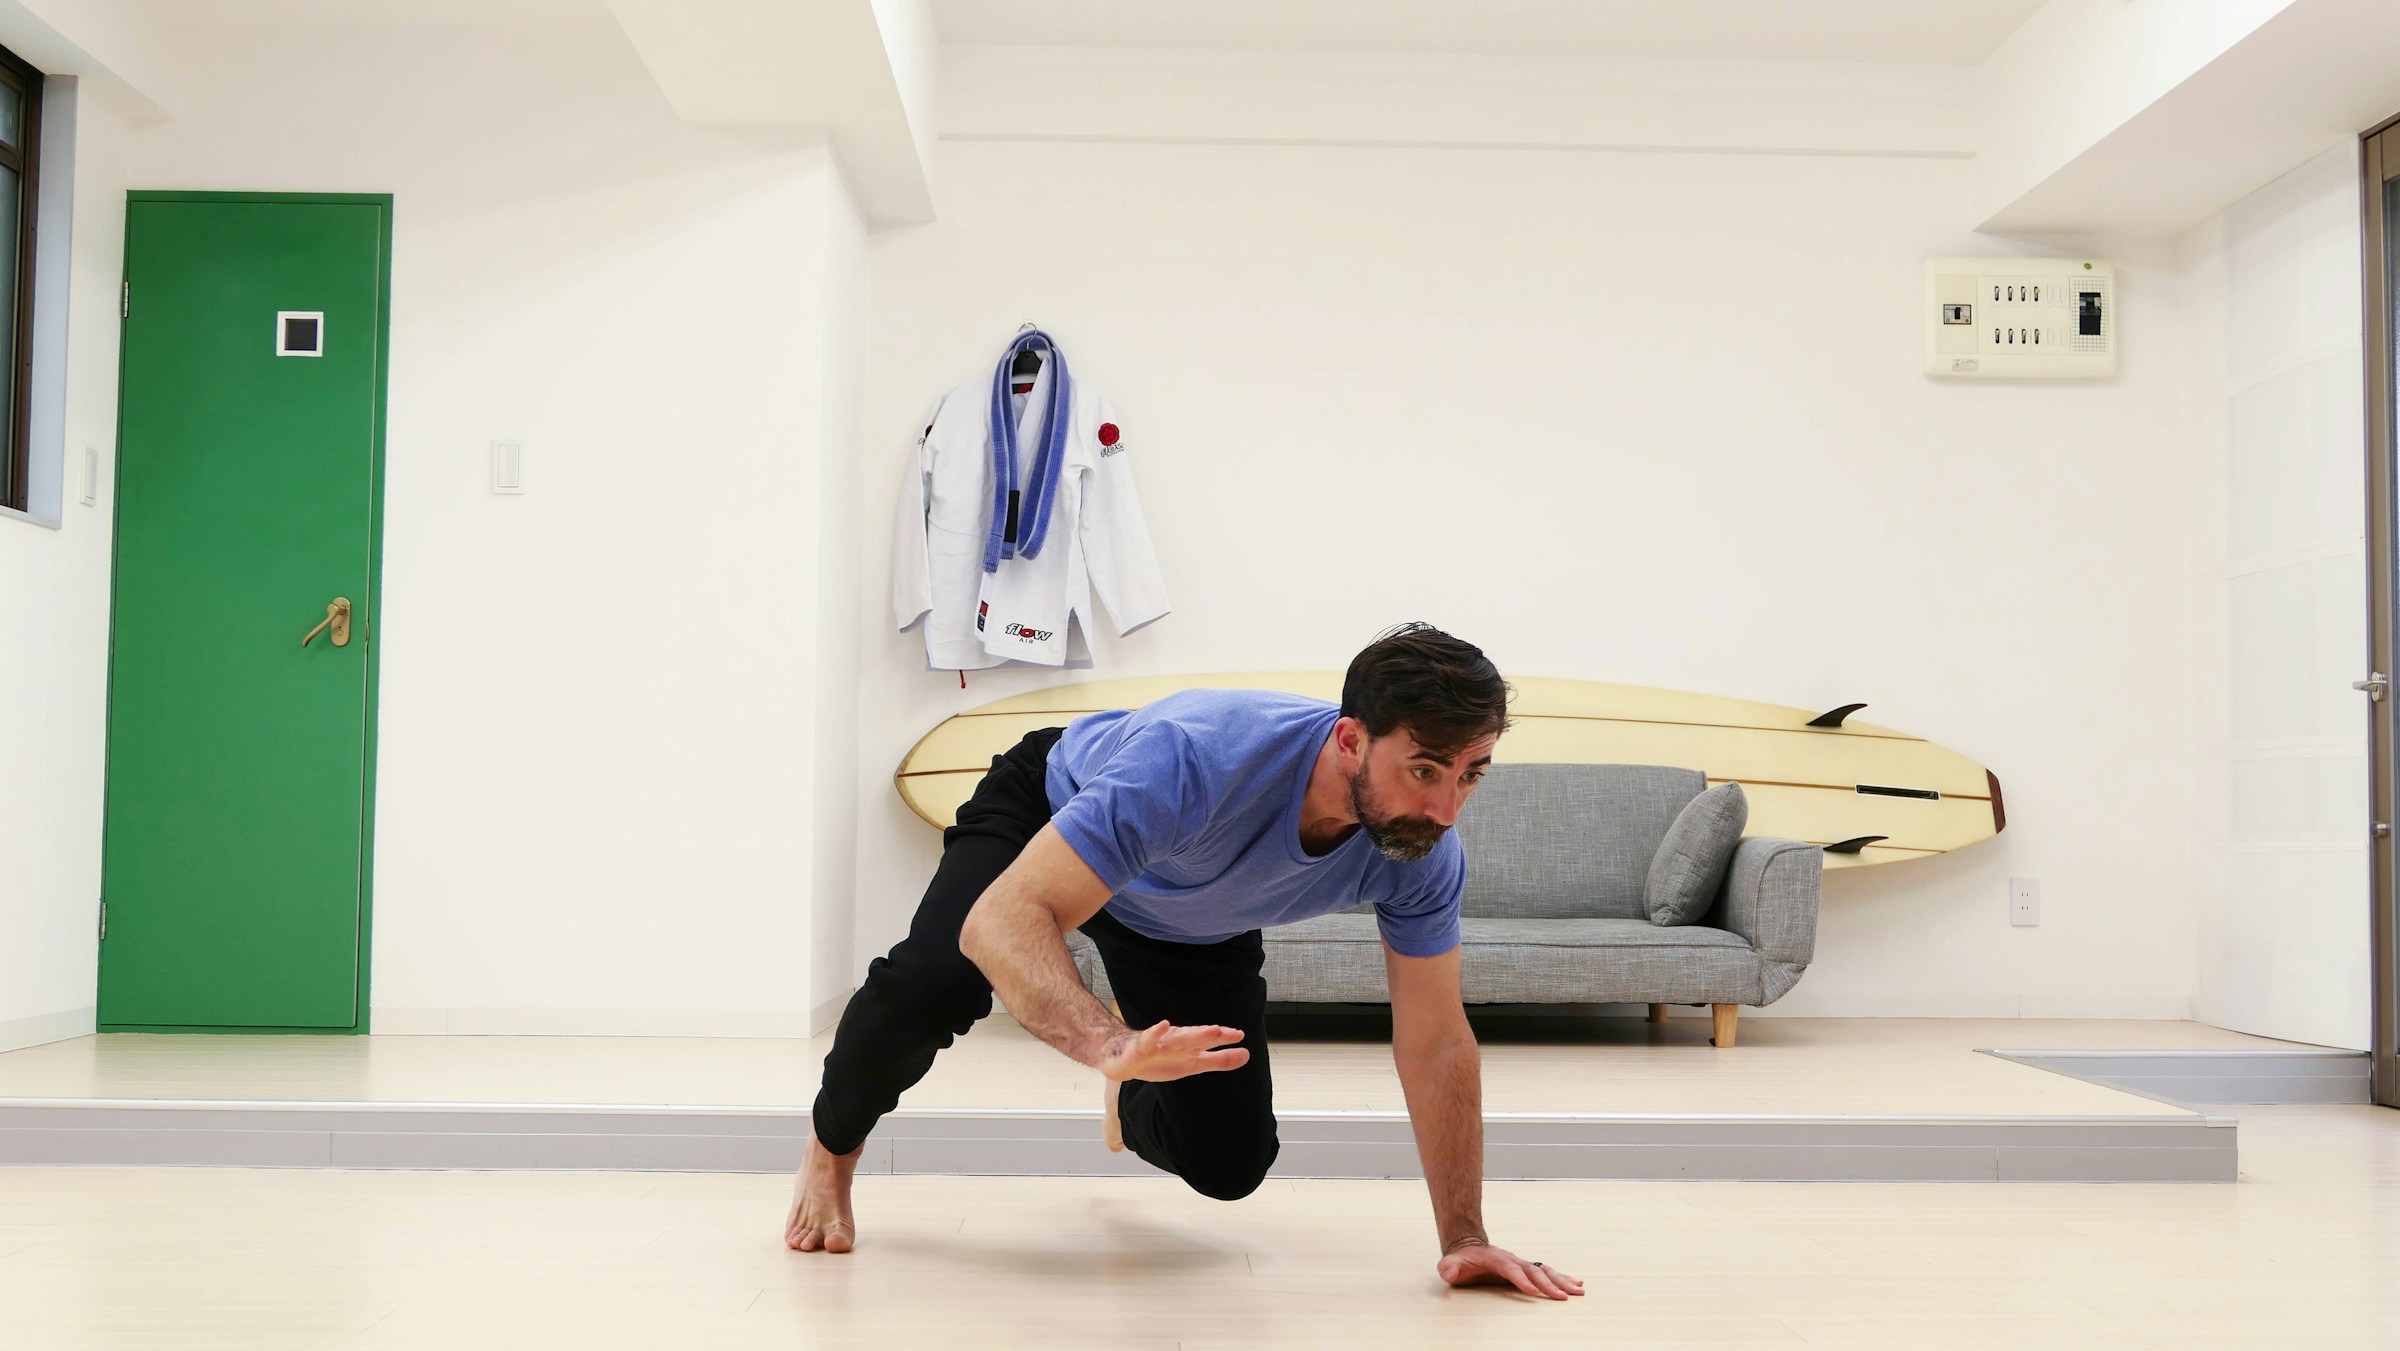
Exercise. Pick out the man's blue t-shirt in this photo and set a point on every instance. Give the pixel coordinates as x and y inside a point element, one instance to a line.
<point>1189,810</point>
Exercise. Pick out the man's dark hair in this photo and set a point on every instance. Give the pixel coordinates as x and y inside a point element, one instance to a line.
<point>1445,691</point>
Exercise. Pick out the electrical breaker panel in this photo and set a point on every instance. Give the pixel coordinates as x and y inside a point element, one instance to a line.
<point>2020,318</point>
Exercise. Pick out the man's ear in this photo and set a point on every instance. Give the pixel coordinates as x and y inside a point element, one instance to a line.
<point>1350,737</point>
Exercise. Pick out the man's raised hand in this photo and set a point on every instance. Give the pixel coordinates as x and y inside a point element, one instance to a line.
<point>1161,1052</point>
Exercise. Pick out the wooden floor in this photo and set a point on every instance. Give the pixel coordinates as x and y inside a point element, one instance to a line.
<point>1897,1067</point>
<point>2304,1253</point>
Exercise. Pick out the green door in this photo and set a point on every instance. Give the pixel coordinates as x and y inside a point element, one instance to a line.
<point>235,865</point>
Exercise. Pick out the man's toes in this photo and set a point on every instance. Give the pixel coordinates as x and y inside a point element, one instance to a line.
<point>839,1239</point>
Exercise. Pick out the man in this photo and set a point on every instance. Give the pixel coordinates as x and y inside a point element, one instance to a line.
<point>1170,835</point>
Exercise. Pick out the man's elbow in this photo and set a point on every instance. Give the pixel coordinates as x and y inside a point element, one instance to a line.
<point>985,935</point>
<point>976,936</point>
<point>1428,1040</point>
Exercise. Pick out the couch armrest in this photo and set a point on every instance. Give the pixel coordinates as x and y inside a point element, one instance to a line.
<point>1770,898</point>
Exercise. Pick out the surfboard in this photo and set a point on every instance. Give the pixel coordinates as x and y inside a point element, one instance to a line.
<point>1868,794</point>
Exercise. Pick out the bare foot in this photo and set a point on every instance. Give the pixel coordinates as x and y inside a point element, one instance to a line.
<point>820,1219</point>
<point>1111,1134</point>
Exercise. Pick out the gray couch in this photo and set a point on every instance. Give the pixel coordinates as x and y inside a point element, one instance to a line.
<point>1557,856</point>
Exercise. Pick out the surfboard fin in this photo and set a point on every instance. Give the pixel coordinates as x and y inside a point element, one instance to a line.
<point>1834,718</point>
<point>1852,846</point>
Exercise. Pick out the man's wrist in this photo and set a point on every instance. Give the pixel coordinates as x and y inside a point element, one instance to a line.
<point>1107,1044</point>
<point>1467,1240</point>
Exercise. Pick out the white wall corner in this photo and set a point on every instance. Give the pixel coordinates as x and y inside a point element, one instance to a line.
<point>114,45</point>
<point>855,69</point>
<point>2148,118</point>
<point>911,45</point>
<point>842,541</point>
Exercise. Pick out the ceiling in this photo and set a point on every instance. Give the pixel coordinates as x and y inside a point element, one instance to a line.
<point>372,13</point>
<point>1947,32</point>
<point>1938,32</point>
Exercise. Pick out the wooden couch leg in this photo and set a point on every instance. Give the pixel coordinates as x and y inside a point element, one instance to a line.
<point>1658,1013</point>
<point>1726,1014</point>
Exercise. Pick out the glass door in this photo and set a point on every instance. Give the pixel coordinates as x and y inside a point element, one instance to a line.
<point>2382,269</point>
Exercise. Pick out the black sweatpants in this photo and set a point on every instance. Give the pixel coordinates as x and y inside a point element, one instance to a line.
<point>1214,1130</point>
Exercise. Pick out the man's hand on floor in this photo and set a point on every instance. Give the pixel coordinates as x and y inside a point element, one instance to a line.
<point>1161,1052</point>
<point>1482,1264</point>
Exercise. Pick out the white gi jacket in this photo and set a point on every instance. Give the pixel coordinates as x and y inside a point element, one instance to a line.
<point>1032,611</point>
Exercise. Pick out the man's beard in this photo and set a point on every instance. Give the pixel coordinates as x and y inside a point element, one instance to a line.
<point>1402,839</point>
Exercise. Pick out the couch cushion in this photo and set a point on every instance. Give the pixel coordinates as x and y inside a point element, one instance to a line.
<point>1568,841</point>
<point>1689,868</point>
<point>1339,959</point>
<point>1547,933</point>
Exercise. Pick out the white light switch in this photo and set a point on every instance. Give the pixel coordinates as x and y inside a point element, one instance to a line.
<point>508,466</point>
<point>91,476</point>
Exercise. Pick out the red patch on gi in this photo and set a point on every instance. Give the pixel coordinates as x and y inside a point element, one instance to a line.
<point>1108,433</point>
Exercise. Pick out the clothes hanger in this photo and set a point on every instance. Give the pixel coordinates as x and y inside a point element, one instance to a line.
<point>1028,362</point>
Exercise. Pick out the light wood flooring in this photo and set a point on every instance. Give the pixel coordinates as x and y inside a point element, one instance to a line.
<point>2303,1253</point>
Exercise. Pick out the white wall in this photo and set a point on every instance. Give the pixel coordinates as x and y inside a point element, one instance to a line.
<point>54,613</point>
<point>1464,100</point>
<point>1643,417</point>
<point>1648,413</point>
<point>2274,334</point>
<point>599,710</point>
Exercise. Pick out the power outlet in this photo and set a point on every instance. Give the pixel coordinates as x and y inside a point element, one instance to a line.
<point>2024,902</point>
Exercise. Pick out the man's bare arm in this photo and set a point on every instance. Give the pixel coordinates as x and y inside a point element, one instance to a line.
<point>1441,1076</point>
<point>1017,935</point>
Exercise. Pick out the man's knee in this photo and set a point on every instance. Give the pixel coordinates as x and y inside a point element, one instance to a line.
<point>930,985</point>
<point>1235,1171</point>
<point>961,1001</point>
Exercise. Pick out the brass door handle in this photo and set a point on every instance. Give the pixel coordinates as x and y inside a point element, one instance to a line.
<point>337,618</point>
